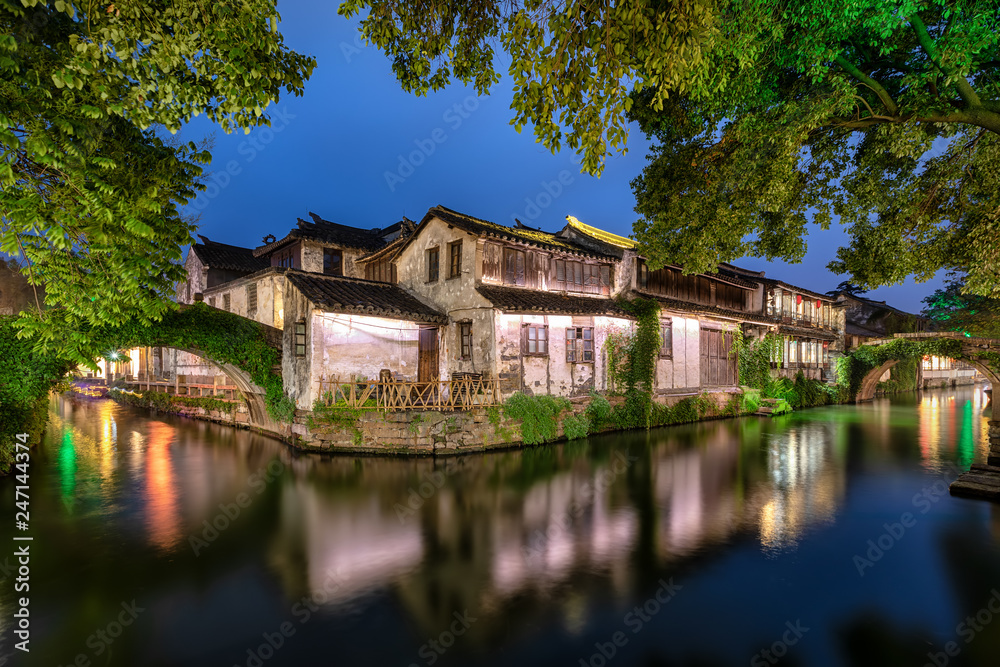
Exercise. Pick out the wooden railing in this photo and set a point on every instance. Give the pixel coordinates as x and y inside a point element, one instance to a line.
<point>223,392</point>
<point>459,394</point>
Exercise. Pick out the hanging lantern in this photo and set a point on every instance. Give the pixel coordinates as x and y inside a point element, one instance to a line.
<point>819,304</point>
<point>798,299</point>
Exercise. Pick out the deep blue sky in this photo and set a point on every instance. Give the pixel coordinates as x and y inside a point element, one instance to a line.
<point>330,151</point>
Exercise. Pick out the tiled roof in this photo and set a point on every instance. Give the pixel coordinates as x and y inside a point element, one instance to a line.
<point>600,234</point>
<point>686,306</point>
<point>734,277</point>
<point>388,252</point>
<point>852,329</point>
<point>362,297</point>
<point>518,300</point>
<point>216,255</point>
<point>519,235</point>
<point>327,232</point>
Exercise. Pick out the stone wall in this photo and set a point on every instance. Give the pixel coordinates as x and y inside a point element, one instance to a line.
<point>423,432</point>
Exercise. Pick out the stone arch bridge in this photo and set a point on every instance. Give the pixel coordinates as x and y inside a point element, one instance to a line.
<point>982,481</point>
<point>248,352</point>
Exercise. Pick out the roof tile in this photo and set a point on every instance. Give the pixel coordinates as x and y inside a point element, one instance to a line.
<point>362,297</point>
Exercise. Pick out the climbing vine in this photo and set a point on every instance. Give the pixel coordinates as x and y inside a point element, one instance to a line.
<point>632,364</point>
<point>755,356</point>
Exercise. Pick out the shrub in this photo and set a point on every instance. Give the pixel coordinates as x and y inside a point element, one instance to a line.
<point>576,427</point>
<point>538,416</point>
<point>598,411</point>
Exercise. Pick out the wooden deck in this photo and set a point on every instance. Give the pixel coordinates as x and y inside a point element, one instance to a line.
<point>982,482</point>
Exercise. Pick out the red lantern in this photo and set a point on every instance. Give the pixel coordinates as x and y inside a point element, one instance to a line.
<point>798,299</point>
<point>819,304</point>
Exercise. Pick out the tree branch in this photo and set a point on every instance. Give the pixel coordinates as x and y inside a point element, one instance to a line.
<point>965,90</point>
<point>871,83</point>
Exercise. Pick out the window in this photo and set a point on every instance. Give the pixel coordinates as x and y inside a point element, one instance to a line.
<point>211,301</point>
<point>580,345</point>
<point>535,340</point>
<point>333,262</point>
<point>667,340</point>
<point>286,259</point>
<point>432,265</point>
<point>513,266</point>
<point>643,275</point>
<point>465,339</point>
<point>455,259</point>
<point>300,338</point>
<point>226,301</point>
<point>251,298</point>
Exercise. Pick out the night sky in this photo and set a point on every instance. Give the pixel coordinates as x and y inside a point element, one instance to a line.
<point>359,151</point>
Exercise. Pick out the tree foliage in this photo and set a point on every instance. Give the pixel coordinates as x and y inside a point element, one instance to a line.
<point>89,193</point>
<point>955,310</point>
<point>882,114</point>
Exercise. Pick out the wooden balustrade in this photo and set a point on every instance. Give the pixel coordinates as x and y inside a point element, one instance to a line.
<point>458,394</point>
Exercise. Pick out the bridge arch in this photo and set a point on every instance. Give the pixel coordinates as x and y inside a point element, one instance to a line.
<point>253,394</point>
<point>975,352</point>
<point>247,351</point>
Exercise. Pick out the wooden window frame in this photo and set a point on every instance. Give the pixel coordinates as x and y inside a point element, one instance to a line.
<point>299,334</point>
<point>465,340</point>
<point>540,341</point>
<point>433,264</point>
<point>576,345</point>
<point>330,252</point>
<point>251,299</point>
<point>514,278</point>
<point>667,339</point>
<point>454,259</point>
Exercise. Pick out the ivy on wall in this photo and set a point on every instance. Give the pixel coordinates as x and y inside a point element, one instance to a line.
<point>632,364</point>
<point>754,357</point>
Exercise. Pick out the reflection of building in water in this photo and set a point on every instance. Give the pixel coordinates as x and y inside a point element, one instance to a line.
<point>515,526</point>
<point>807,483</point>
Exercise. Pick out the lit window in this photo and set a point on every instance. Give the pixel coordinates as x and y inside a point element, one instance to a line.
<point>300,338</point>
<point>667,340</point>
<point>465,337</point>
<point>333,262</point>
<point>580,345</point>
<point>535,340</point>
<point>432,265</point>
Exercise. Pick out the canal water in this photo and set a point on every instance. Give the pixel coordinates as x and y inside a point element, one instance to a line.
<point>824,537</point>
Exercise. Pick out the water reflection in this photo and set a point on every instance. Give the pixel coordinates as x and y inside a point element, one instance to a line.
<point>539,544</point>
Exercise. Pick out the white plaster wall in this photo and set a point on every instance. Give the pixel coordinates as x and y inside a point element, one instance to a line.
<point>457,297</point>
<point>345,345</point>
<point>312,258</point>
<point>270,289</point>
<point>197,278</point>
<point>551,374</point>
<point>684,370</point>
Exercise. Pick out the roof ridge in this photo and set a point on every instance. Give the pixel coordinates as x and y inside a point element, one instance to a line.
<point>327,276</point>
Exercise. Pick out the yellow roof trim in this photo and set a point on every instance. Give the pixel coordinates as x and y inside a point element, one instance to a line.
<point>600,234</point>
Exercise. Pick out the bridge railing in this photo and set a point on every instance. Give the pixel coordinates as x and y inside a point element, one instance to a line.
<point>390,395</point>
